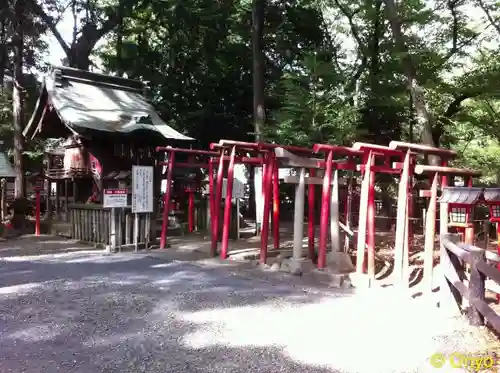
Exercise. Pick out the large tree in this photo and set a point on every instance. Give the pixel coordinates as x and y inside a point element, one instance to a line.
<point>92,21</point>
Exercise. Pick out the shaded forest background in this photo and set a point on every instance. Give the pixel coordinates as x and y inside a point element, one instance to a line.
<point>294,72</point>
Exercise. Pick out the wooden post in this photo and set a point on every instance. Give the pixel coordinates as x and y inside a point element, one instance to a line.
<point>450,299</point>
<point>75,191</point>
<point>299,203</point>
<point>486,232</point>
<point>498,251</point>
<point>402,212</point>
<point>112,238</point>
<point>310,216</point>
<point>334,214</point>
<point>476,286</point>
<point>348,211</point>
<point>2,198</point>
<point>128,227</point>
<point>363,207</point>
<point>405,265</point>
<point>325,211</point>
<point>147,233</point>
<point>370,217</point>
<point>298,219</point>
<point>66,192</point>
<point>430,235</point>
<point>237,218</point>
<point>48,188</point>
<point>136,232</point>
<point>119,229</point>
<point>57,200</point>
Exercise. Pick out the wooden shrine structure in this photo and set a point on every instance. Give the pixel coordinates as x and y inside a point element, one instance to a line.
<point>104,125</point>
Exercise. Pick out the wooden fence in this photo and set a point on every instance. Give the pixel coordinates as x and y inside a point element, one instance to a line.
<point>468,272</point>
<point>92,224</point>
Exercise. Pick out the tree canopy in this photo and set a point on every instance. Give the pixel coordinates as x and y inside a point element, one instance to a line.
<point>332,71</point>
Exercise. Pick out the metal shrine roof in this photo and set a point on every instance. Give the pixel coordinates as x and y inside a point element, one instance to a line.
<point>491,194</point>
<point>88,101</point>
<point>469,196</point>
<point>462,195</point>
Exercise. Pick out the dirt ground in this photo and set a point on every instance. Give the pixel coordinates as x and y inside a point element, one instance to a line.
<point>52,257</point>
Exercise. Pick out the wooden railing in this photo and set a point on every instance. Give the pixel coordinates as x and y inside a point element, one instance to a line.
<point>89,223</point>
<point>61,173</point>
<point>92,223</point>
<point>455,258</point>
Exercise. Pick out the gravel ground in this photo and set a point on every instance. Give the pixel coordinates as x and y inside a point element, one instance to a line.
<point>91,312</point>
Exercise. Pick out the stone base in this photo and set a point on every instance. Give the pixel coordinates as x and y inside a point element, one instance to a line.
<point>339,262</point>
<point>333,280</point>
<point>297,266</point>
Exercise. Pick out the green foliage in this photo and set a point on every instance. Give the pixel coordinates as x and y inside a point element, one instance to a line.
<point>333,72</point>
<point>313,109</point>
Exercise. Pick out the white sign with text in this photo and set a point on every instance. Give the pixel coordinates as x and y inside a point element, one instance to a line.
<point>142,189</point>
<point>115,198</point>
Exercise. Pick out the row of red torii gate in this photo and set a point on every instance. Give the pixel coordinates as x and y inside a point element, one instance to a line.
<point>321,165</point>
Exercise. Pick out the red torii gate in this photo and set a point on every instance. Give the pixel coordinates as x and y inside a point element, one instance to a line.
<point>330,164</point>
<point>171,163</point>
<point>430,228</point>
<point>222,146</point>
<point>366,225</point>
<point>270,189</point>
<point>401,265</point>
<point>213,156</point>
<point>329,205</point>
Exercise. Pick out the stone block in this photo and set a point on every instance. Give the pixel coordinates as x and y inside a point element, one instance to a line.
<point>275,267</point>
<point>339,262</point>
<point>333,280</point>
<point>297,266</point>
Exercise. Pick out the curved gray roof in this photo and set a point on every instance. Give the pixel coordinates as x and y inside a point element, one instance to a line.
<point>463,195</point>
<point>492,194</point>
<point>85,100</point>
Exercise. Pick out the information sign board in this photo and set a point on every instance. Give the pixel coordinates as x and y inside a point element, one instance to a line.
<point>115,198</point>
<point>142,189</point>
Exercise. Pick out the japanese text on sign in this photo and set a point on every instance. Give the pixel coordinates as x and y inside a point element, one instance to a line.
<point>142,189</point>
<point>115,198</point>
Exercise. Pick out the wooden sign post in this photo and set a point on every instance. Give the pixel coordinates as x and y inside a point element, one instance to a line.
<point>114,199</point>
<point>142,202</point>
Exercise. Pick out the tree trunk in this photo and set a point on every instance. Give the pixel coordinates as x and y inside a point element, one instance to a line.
<point>374,60</point>
<point>258,13</point>
<point>17,96</point>
<point>417,94</point>
<point>373,63</point>
<point>78,54</point>
<point>79,57</point>
<point>119,41</point>
<point>3,48</point>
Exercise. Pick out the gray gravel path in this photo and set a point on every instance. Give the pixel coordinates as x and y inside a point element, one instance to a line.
<point>91,312</point>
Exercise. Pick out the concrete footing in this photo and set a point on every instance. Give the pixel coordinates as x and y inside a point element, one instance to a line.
<point>332,279</point>
<point>339,262</point>
<point>297,266</point>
